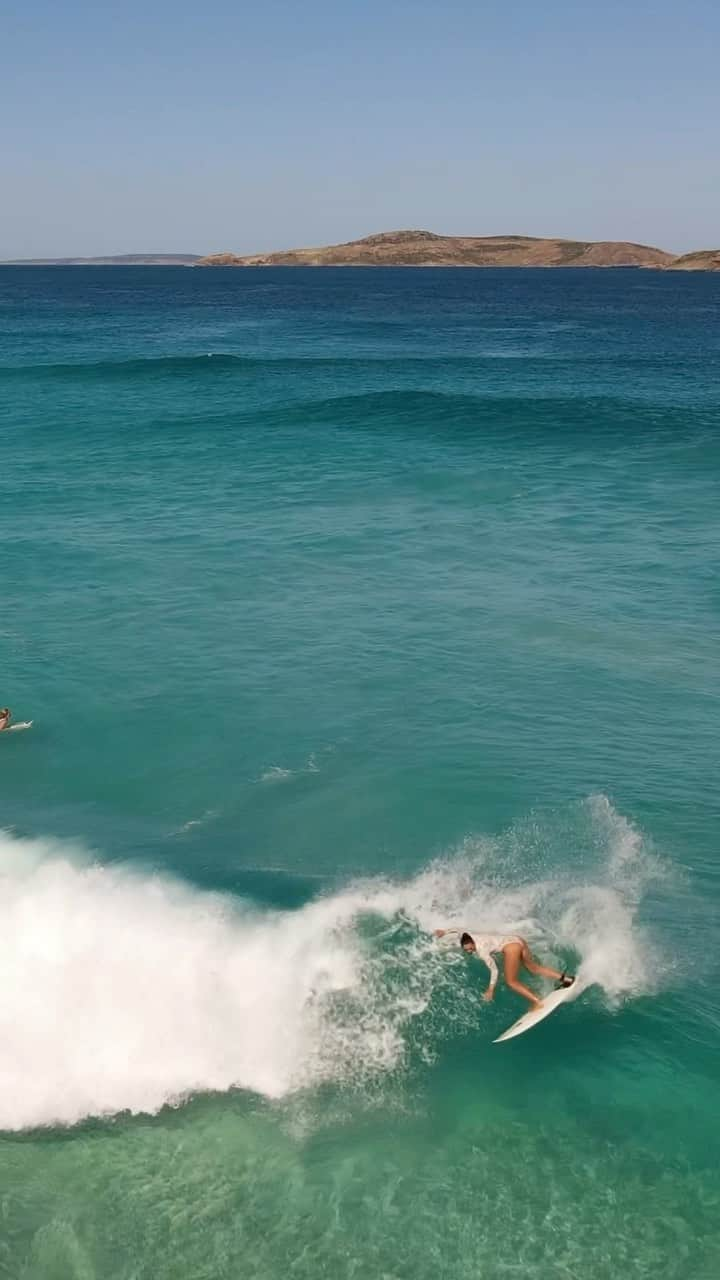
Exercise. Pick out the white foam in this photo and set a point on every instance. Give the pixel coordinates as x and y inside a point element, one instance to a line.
<point>202,821</point>
<point>276,773</point>
<point>125,991</point>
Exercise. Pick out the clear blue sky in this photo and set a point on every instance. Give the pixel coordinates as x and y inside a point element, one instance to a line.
<point>127,127</point>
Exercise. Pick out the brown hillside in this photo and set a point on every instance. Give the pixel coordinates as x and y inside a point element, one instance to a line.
<point>701,260</point>
<point>426,249</point>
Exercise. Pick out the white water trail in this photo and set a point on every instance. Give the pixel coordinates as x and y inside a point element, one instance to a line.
<point>125,991</point>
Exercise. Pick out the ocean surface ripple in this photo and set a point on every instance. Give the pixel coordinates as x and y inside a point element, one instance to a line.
<point>345,605</point>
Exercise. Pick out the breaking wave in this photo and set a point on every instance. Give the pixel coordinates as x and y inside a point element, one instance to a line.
<point>126,991</point>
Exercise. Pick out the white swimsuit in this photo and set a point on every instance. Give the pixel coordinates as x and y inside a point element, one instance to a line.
<point>487,945</point>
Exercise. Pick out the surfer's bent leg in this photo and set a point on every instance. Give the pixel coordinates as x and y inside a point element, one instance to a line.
<point>532,966</point>
<point>513,958</point>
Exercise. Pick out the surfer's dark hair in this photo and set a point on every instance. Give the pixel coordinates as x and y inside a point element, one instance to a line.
<point>465,938</point>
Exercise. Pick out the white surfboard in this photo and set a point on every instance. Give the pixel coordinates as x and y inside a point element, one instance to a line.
<point>533,1016</point>
<point>21,724</point>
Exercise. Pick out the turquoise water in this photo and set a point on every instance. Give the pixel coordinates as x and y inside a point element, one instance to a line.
<point>347,604</point>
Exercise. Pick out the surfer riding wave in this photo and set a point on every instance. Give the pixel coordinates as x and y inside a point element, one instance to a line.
<point>516,954</point>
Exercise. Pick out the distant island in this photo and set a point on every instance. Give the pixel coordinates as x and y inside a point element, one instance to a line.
<point>426,249</point>
<point>116,260</point>
<point>421,249</point>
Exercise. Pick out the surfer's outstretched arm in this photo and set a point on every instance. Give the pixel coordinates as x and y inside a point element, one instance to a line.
<point>488,959</point>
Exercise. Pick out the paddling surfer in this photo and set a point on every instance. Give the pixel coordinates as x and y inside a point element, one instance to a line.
<point>5,717</point>
<point>516,954</point>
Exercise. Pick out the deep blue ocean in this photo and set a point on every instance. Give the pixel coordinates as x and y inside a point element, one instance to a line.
<point>347,604</point>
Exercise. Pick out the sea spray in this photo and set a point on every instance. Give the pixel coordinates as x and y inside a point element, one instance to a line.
<point>126,991</point>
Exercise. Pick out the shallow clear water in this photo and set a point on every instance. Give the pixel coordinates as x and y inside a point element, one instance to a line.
<point>346,604</point>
